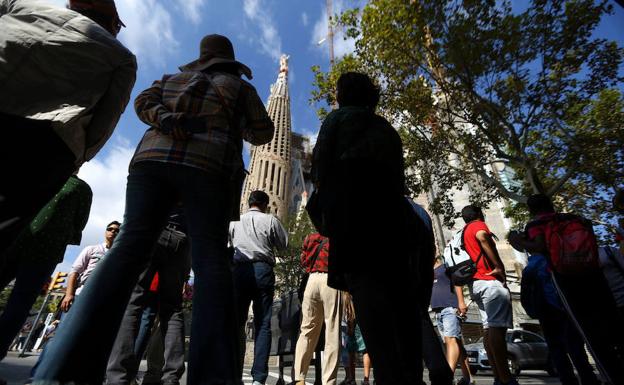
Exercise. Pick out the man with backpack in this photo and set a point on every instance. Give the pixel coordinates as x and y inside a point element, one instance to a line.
<point>540,300</point>
<point>489,291</point>
<point>570,245</point>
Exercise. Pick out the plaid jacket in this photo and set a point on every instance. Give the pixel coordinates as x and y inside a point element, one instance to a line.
<point>190,99</point>
<point>310,244</point>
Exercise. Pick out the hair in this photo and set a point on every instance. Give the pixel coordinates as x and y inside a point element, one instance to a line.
<point>258,198</point>
<point>356,89</point>
<point>540,203</point>
<point>114,223</point>
<point>472,213</point>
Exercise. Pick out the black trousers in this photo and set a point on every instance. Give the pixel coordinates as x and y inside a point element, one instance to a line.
<point>35,163</point>
<point>388,311</point>
<point>590,302</point>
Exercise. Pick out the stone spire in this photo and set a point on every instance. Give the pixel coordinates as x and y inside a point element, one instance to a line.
<point>270,167</point>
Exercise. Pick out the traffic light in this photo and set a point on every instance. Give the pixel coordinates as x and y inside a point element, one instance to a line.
<point>59,278</point>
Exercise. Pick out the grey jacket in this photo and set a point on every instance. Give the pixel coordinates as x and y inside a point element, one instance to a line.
<point>58,65</point>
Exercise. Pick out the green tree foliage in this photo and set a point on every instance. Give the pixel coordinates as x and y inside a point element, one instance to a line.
<point>288,269</point>
<point>472,83</point>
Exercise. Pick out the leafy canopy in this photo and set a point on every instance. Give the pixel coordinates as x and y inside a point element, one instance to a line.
<point>476,85</point>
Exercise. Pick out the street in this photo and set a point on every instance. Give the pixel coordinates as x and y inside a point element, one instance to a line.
<point>16,371</point>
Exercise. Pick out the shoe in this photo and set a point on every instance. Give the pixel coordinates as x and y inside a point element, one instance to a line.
<point>365,381</point>
<point>465,381</point>
<point>512,382</point>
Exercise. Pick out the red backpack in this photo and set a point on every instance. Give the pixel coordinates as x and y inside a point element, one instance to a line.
<point>571,244</point>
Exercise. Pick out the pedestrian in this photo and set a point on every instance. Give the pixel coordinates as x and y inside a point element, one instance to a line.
<point>352,343</point>
<point>192,152</point>
<point>320,307</point>
<point>31,259</point>
<point>358,173</point>
<point>447,301</point>
<point>85,264</point>
<point>255,238</point>
<point>65,79</point>
<point>583,292</point>
<point>489,291</point>
<point>158,292</point>
<point>612,264</point>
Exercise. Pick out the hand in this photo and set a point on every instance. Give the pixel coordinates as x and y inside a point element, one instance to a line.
<point>498,273</point>
<point>462,309</point>
<point>67,302</point>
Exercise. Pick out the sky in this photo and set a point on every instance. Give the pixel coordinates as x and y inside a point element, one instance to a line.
<point>165,34</point>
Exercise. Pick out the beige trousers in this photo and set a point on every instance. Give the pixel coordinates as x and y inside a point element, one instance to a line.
<point>320,304</point>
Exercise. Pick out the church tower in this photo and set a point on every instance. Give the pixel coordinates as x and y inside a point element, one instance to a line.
<point>270,166</point>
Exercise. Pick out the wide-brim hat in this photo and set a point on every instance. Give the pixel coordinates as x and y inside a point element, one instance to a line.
<point>216,49</point>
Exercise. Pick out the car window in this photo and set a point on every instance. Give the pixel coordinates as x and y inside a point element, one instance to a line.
<point>531,338</point>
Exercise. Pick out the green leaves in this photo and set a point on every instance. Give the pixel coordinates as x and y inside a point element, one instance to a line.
<point>471,84</point>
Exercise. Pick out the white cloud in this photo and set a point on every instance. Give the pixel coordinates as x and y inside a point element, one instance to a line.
<point>269,38</point>
<point>149,33</point>
<point>304,19</point>
<point>107,178</point>
<point>192,9</point>
<point>319,32</point>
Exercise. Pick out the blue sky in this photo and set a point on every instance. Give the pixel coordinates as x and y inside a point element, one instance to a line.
<point>165,34</point>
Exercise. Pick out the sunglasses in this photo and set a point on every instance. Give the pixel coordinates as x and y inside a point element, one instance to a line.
<point>112,229</point>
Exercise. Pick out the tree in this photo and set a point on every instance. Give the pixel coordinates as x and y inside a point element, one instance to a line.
<point>288,269</point>
<point>470,84</point>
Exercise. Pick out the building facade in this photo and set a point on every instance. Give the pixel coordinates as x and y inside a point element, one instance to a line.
<point>270,165</point>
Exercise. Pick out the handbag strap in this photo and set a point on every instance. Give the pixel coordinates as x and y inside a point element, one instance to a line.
<point>317,252</point>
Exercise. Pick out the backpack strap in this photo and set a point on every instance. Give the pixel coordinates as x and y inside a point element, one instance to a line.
<point>463,246</point>
<point>317,252</point>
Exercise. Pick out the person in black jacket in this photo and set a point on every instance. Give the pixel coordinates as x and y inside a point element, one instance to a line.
<point>358,171</point>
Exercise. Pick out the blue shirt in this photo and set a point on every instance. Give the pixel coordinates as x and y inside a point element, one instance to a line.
<point>443,293</point>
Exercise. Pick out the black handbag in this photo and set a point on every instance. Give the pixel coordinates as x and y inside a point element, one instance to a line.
<point>304,278</point>
<point>316,212</point>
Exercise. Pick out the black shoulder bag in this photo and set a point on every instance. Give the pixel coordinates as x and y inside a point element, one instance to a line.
<point>304,278</point>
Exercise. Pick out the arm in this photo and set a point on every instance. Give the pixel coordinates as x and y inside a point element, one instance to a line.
<point>280,236</point>
<point>304,247</point>
<point>490,252</point>
<point>536,245</point>
<point>258,127</point>
<point>109,108</point>
<point>70,292</point>
<point>461,303</point>
<point>322,152</point>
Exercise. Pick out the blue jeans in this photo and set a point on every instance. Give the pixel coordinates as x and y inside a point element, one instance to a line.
<point>255,282</point>
<point>171,260</point>
<point>80,350</point>
<point>29,278</point>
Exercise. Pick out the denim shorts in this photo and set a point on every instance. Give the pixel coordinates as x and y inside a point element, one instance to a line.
<point>449,324</point>
<point>494,302</point>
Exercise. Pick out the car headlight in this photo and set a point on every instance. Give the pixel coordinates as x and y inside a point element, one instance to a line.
<point>482,351</point>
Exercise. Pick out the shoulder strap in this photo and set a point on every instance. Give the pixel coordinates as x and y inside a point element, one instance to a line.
<point>317,252</point>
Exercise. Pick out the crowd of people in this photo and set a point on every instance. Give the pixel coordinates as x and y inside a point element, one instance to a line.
<point>182,213</point>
